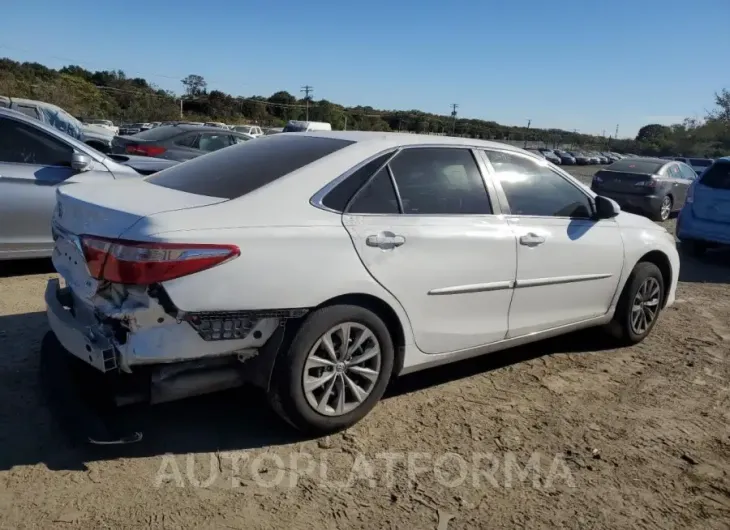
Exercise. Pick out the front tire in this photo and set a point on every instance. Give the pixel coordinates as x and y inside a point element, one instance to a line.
<point>639,305</point>
<point>334,371</point>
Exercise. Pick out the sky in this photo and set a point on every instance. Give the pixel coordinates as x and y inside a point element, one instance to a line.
<point>587,65</point>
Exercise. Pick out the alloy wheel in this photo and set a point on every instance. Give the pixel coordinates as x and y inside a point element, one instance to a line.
<point>342,369</point>
<point>645,306</point>
<point>666,208</point>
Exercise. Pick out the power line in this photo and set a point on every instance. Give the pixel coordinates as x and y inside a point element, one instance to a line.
<point>307,89</point>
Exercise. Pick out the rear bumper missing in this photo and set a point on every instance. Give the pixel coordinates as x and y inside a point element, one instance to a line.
<point>139,336</point>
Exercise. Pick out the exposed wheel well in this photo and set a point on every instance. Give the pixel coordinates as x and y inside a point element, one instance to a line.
<point>661,260</point>
<point>385,312</point>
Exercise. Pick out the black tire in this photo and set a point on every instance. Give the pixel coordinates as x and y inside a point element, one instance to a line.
<point>695,248</point>
<point>656,215</point>
<point>620,326</point>
<point>286,392</point>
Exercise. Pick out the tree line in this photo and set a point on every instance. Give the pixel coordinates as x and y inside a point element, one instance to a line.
<point>111,94</point>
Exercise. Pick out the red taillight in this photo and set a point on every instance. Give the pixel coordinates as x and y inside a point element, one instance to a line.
<point>142,263</point>
<point>144,150</point>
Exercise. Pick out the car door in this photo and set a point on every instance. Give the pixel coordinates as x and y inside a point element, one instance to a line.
<point>678,184</point>
<point>568,264</point>
<point>33,163</point>
<point>425,229</point>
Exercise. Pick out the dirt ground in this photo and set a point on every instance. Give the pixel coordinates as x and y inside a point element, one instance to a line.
<point>560,434</point>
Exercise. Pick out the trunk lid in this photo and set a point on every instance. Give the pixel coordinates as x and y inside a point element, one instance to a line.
<point>620,181</point>
<point>711,199</point>
<point>111,209</point>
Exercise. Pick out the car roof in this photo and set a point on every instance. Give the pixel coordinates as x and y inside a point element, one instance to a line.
<point>187,127</point>
<point>392,139</point>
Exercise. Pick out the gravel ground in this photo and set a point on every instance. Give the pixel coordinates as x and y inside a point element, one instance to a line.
<point>563,433</point>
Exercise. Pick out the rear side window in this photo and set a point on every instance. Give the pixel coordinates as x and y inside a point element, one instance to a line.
<point>439,181</point>
<point>156,134</point>
<point>718,176</point>
<point>234,172</point>
<point>341,194</point>
<point>378,197</point>
<point>700,162</point>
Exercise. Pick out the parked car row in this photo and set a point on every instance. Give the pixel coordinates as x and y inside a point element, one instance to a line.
<point>558,156</point>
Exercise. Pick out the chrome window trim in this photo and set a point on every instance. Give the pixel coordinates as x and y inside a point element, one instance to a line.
<point>317,198</point>
<point>551,167</point>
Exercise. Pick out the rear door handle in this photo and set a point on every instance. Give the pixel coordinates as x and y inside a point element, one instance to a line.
<point>385,240</point>
<point>531,240</point>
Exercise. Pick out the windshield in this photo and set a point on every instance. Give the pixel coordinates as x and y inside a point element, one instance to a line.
<point>718,176</point>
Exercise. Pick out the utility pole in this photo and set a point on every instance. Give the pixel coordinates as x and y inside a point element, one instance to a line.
<point>454,106</point>
<point>181,108</point>
<point>307,90</point>
<point>529,121</point>
<point>615,136</point>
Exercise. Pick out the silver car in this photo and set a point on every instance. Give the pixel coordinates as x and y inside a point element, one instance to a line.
<point>36,159</point>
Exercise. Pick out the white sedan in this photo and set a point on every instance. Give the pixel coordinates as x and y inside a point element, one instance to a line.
<point>319,266</point>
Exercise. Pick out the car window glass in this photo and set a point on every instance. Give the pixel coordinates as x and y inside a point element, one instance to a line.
<point>187,140</point>
<point>687,172</point>
<point>534,189</point>
<point>239,139</point>
<point>341,194</point>
<point>210,142</point>
<point>441,181</point>
<point>248,167</point>
<point>673,171</point>
<point>29,111</point>
<point>23,144</point>
<point>378,196</point>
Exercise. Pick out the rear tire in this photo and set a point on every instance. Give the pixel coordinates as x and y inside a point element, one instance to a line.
<point>334,405</point>
<point>664,211</point>
<point>643,294</point>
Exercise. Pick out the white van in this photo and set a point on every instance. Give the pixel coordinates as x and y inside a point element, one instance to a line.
<point>306,126</point>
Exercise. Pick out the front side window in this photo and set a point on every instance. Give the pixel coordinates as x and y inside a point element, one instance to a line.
<point>536,190</point>
<point>439,181</point>
<point>239,139</point>
<point>23,144</point>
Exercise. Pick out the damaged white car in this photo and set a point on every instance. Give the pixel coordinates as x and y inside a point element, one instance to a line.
<point>319,266</point>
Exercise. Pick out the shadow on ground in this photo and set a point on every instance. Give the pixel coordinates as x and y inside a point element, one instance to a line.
<point>712,267</point>
<point>46,413</point>
<point>24,267</point>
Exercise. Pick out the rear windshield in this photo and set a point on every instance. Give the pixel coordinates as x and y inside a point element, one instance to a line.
<point>643,167</point>
<point>235,171</point>
<point>158,133</point>
<point>718,176</point>
<point>700,162</point>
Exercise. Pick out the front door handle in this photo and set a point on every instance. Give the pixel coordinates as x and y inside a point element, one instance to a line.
<point>385,240</point>
<point>531,240</point>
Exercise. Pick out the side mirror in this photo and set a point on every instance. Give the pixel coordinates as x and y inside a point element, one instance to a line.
<point>80,162</point>
<point>606,208</point>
